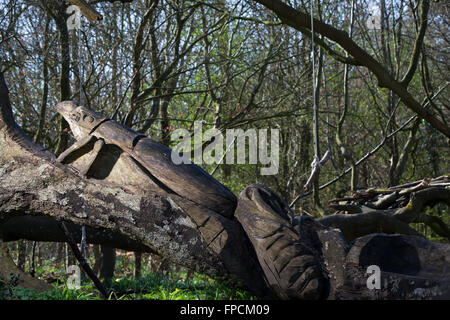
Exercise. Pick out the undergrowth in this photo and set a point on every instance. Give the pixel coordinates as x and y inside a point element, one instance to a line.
<point>152,285</point>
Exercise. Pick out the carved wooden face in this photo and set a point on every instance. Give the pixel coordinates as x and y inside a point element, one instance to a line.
<point>81,120</point>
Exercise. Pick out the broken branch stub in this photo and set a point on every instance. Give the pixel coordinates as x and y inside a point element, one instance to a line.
<point>87,10</point>
<point>316,165</point>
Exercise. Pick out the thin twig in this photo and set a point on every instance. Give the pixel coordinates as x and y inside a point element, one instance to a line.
<point>367,155</point>
<point>82,260</point>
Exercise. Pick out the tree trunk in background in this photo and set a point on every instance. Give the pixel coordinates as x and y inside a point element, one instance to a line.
<point>69,258</point>
<point>60,253</point>
<point>320,211</point>
<point>45,86</point>
<point>64,80</point>
<point>39,252</point>
<point>346,151</point>
<point>97,258</point>
<point>108,263</point>
<point>33,259</point>
<point>21,254</point>
<point>137,264</point>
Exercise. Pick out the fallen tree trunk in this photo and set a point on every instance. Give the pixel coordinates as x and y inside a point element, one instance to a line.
<point>391,210</point>
<point>11,276</point>
<point>302,258</point>
<point>272,252</point>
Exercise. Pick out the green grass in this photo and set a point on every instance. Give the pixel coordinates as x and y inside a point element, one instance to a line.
<point>58,293</point>
<point>157,286</point>
<point>153,286</point>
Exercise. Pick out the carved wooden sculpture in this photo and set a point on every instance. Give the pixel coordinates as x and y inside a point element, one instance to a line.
<point>137,155</point>
<point>298,257</point>
<point>303,259</point>
<point>291,264</point>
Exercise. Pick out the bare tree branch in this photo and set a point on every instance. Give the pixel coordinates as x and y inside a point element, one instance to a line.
<point>300,20</point>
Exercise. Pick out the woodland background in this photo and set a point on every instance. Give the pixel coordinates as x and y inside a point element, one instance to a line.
<point>160,65</point>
